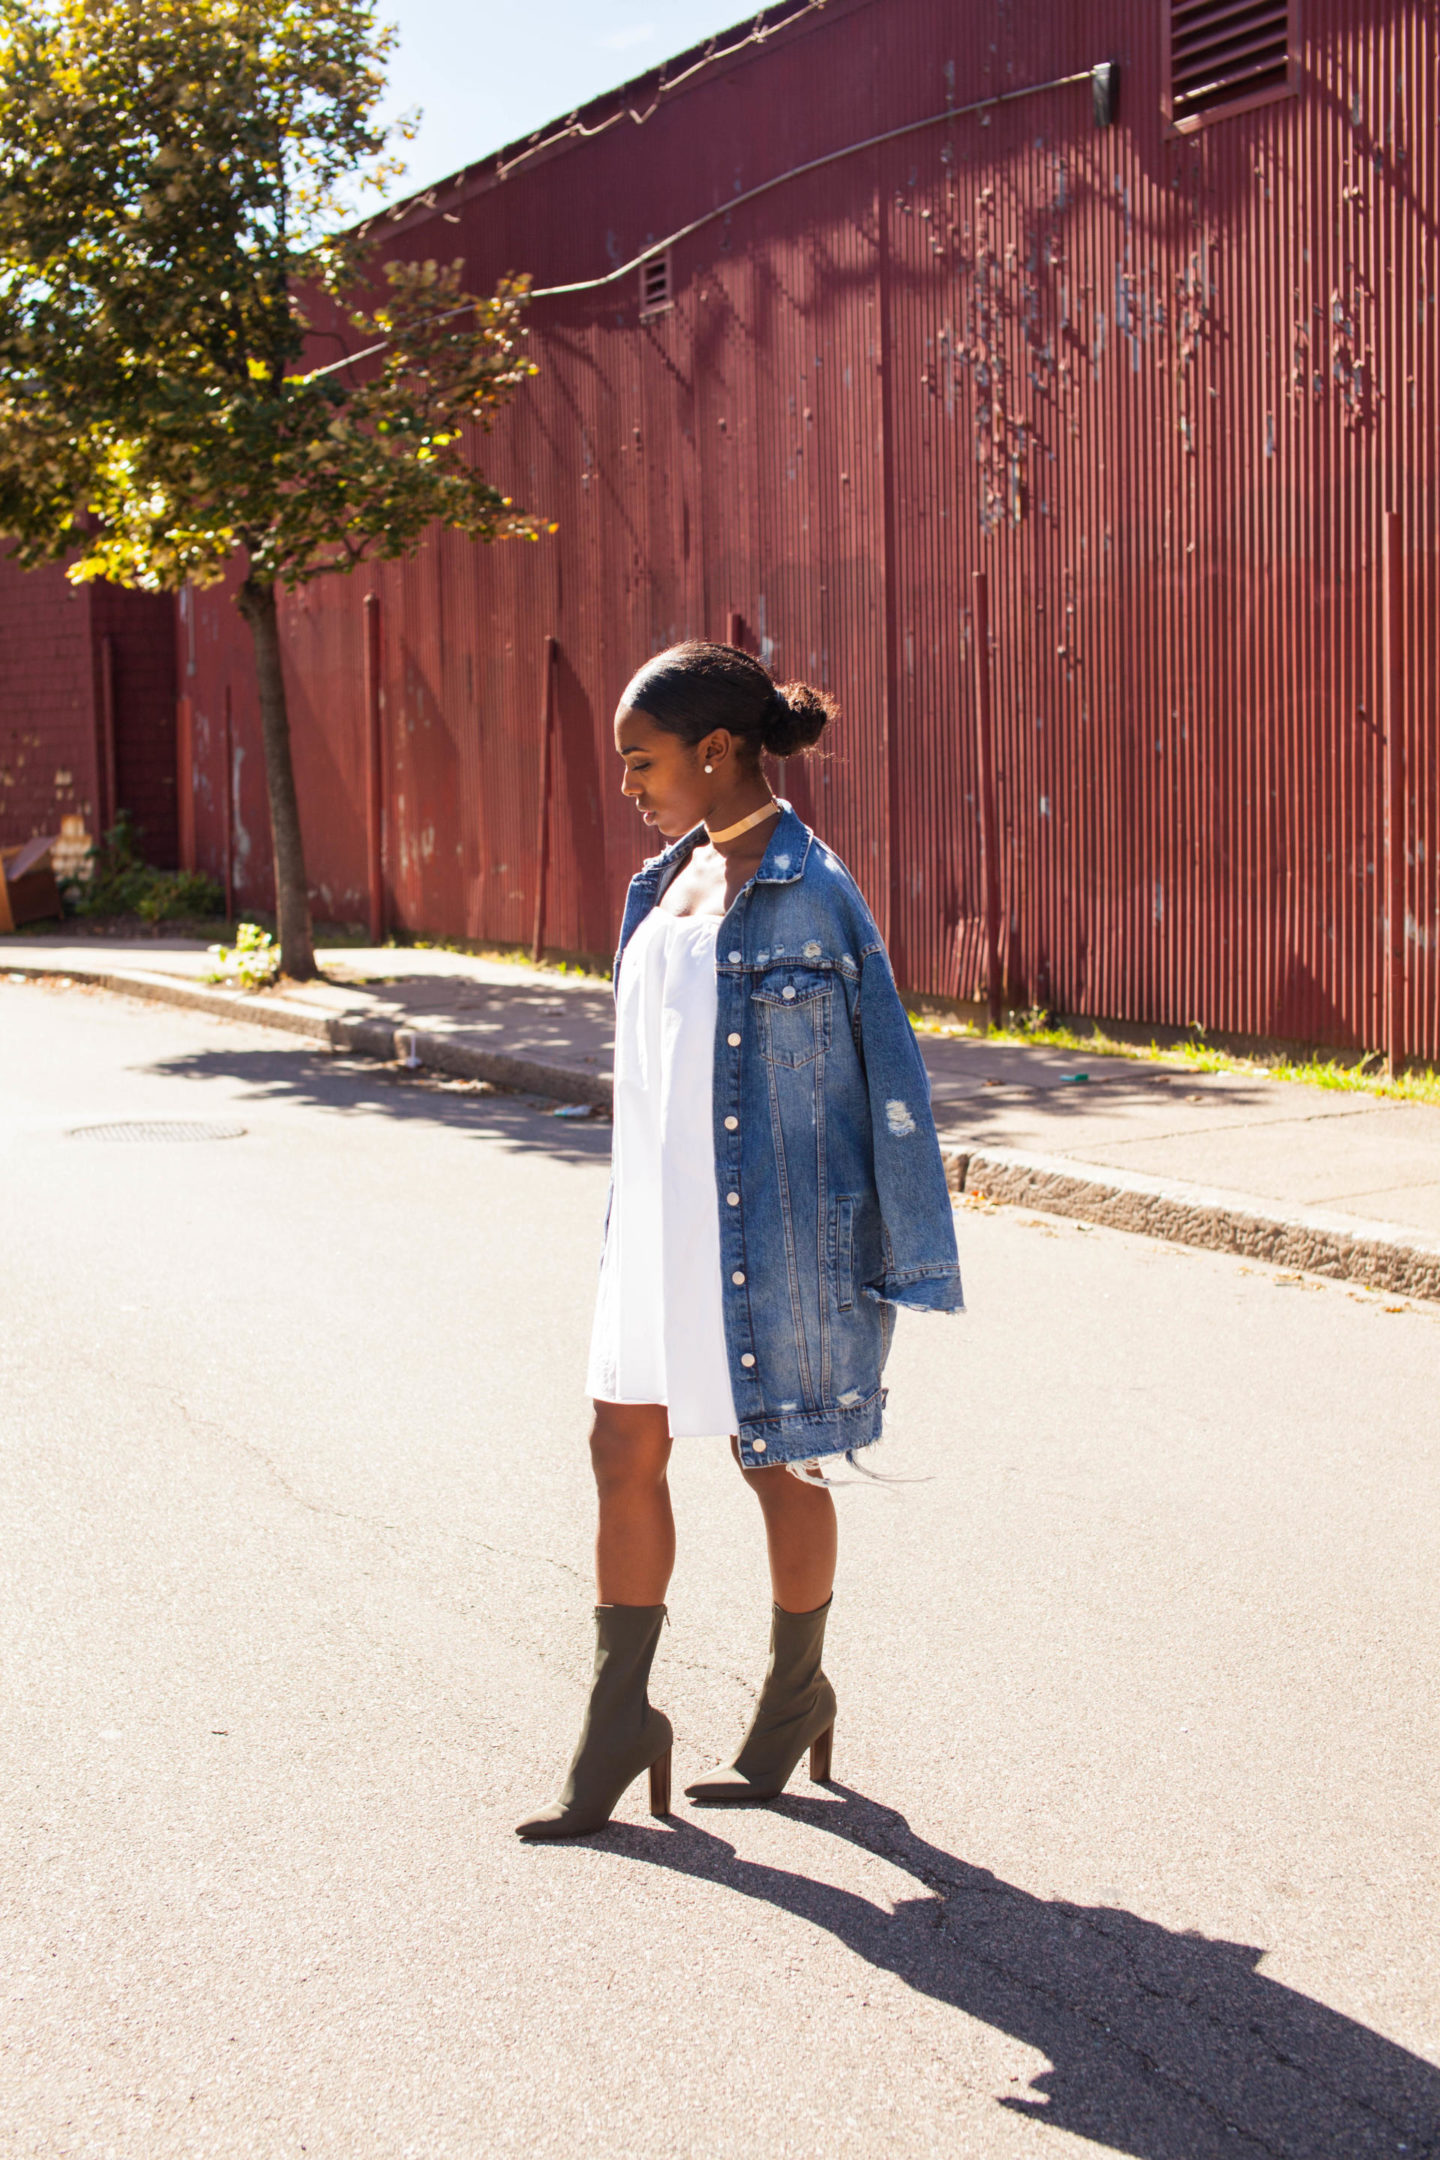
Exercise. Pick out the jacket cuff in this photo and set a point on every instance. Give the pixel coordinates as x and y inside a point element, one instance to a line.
<point>920,1290</point>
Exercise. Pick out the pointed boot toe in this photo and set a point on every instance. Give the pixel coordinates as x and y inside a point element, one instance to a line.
<point>726,1783</point>
<point>558,1821</point>
<point>551,1822</point>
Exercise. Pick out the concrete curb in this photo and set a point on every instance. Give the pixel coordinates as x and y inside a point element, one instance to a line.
<point>344,1031</point>
<point>1306,1239</point>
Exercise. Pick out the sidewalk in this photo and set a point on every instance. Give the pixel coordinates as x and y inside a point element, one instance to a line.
<point>1325,1182</point>
<point>517,1027</point>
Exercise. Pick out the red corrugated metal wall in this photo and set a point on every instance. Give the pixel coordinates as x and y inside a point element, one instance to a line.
<point>141,631</point>
<point>1161,388</point>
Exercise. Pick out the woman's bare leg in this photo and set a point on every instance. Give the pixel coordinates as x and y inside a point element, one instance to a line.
<point>635,1540</point>
<point>801,1535</point>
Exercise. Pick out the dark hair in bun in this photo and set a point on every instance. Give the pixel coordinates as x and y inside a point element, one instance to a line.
<point>695,688</point>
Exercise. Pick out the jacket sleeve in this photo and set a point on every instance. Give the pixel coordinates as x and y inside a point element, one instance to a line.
<point>921,1266</point>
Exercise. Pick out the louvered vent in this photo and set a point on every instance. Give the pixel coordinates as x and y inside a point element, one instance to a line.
<point>1221,50</point>
<point>655,285</point>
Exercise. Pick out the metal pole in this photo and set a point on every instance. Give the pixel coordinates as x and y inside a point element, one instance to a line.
<point>374,773</point>
<point>891,882</point>
<point>735,635</point>
<point>107,732</point>
<point>990,846</point>
<point>1394,580</point>
<point>185,781</point>
<point>542,849</point>
<point>229,808</point>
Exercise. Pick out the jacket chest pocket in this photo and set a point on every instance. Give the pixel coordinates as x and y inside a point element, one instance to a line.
<point>794,1020</point>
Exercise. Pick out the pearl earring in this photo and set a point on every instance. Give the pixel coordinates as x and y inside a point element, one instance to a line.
<point>709,768</point>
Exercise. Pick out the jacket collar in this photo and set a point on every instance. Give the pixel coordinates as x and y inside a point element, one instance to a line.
<point>784,860</point>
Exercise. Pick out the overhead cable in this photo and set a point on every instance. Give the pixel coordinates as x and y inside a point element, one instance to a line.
<point>1098,76</point>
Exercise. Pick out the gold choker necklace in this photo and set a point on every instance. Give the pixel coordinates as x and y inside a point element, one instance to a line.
<point>756,817</point>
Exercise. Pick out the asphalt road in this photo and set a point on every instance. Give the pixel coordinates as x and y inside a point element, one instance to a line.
<point>1132,1847</point>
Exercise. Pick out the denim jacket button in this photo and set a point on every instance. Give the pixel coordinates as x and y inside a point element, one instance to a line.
<point>732,1199</point>
<point>735,959</point>
<point>738,1276</point>
<point>748,1358</point>
<point>757,1447</point>
<point>788,991</point>
<point>734,1041</point>
<point>731,1124</point>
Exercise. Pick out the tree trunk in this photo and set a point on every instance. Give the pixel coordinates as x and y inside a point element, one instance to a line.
<point>292,888</point>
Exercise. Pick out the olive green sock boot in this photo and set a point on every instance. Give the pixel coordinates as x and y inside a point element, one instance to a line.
<point>621,1736</point>
<point>796,1711</point>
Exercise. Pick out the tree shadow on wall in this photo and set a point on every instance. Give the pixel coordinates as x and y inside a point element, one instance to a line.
<point>1164,2044</point>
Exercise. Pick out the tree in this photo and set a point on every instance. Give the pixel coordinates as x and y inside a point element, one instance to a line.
<point>175,179</point>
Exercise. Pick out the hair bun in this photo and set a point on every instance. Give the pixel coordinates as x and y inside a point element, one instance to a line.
<point>797,717</point>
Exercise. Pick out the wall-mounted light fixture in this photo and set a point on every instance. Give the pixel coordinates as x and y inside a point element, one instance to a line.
<point>1105,91</point>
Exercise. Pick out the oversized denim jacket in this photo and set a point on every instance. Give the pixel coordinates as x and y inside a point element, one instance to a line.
<point>832,1195</point>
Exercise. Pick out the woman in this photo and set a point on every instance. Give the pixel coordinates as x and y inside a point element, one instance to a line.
<point>777,1192</point>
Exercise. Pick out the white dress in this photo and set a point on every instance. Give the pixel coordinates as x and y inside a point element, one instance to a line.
<point>659,1333</point>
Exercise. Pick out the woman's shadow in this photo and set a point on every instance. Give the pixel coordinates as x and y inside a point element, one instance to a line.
<point>1165,2045</point>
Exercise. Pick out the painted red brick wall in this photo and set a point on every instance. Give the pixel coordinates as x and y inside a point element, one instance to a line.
<point>52,637</point>
<point>47,704</point>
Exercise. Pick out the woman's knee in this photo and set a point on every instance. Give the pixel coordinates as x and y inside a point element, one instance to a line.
<point>779,1493</point>
<point>761,1482</point>
<point>629,1446</point>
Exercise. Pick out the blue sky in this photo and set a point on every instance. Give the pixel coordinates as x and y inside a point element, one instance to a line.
<point>485,73</point>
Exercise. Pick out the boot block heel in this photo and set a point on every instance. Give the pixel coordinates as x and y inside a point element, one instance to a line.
<point>820,1756</point>
<point>660,1784</point>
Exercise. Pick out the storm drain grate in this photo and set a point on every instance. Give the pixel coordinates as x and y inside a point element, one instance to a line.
<point>159,1129</point>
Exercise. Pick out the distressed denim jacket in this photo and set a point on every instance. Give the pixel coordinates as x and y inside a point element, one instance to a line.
<point>832,1195</point>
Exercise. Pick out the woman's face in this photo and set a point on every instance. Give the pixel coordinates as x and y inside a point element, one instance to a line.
<point>664,778</point>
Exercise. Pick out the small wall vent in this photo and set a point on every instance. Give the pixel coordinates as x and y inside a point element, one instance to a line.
<point>655,285</point>
<point>1226,53</point>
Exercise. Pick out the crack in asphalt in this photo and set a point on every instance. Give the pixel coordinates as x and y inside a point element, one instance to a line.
<point>198,1420</point>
